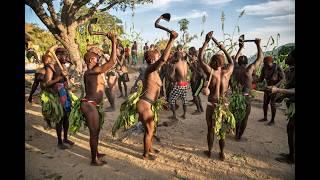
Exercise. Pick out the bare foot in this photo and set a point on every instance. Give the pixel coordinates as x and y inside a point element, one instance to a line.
<point>241,139</point>
<point>47,127</point>
<point>68,142</point>
<point>208,153</point>
<point>262,120</point>
<point>149,157</point>
<point>173,118</point>
<point>221,156</point>
<point>271,123</point>
<point>196,113</point>
<point>154,151</point>
<point>183,116</point>
<point>285,160</point>
<point>98,163</point>
<point>99,156</point>
<point>62,146</point>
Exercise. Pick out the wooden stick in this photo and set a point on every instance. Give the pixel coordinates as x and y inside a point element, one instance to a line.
<point>58,62</point>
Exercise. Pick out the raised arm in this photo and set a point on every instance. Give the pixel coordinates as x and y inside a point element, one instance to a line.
<point>206,68</point>
<point>112,61</point>
<point>256,64</point>
<point>230,67</point>
<point>164,57</point>
<point>238,53</point>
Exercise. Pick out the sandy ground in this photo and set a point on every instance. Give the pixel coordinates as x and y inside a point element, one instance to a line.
<point>181,150</point>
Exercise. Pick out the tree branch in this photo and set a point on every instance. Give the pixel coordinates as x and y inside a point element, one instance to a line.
<point>53,14</point>
<point>77,4</point>
<point>93,9</point>
<point>43,16</point>
<point>65,11</point>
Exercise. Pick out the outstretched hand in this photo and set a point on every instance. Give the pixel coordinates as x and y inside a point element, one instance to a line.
<point>112,36</point>
<point>209,36</point>
<point>257,41</point>
<point>272,89</point>
<point>173,35</point>
<point>221,46</point>
<point>241,44</point>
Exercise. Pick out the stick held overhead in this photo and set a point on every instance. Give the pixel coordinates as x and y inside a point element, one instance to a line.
<point>166,17</point>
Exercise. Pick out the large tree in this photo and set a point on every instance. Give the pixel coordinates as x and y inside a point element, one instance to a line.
<point>63,24</point>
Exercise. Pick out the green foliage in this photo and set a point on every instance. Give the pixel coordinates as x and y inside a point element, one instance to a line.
<point>237,102</point>
<point>40,37</point>
<point>291,110</point>
<point>105,23</point>
<point>225,121</point>
<point>51,106</point>
<point>186,38</point>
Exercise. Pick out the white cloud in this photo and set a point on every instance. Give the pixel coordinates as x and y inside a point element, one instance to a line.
<point>215,2</point>
<point>287,35</point>
<point>163,3</point>
<point>289,17</point>
<point>270,8</point>
<point>193,15</point>
<point>157,4</point>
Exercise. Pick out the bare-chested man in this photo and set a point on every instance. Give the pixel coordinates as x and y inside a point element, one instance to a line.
<point>242,75</point>
<point>218,87</point>
<point>151,91</point>
<point>56,82</point>
<point>179,74</point>
<point>197,79</point>
<point>39,78</point>
<point>94,87</point>
<point>289,92</point>
<point>274,76</point>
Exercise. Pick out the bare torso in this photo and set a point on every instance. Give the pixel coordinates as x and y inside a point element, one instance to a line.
<point>55,68</point>
<point>243,77</point>
<point>151,85</point>
<point>272,75</point>
<point>94,87</point>
<point>181,71</point>
<point>218,85</point>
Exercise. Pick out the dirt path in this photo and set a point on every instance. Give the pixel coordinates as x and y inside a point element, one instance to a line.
<point>181,150</point>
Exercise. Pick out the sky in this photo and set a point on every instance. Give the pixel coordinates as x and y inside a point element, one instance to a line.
<point>262,19</point>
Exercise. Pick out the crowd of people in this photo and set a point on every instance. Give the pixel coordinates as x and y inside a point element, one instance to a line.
<point>166,75</point>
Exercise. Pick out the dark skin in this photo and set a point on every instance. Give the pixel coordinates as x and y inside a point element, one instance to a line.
<point>112,81</point>
<point>273,78</point>
<point>196,75</point>
<point>94,88</point>
<point>218,86</point>
<point>289,92</point>
<point>56,75</point>
<point>151,89</point>
<point>39,79</point>
<point>121,68</point>
<point>179,74</point>
<point>244,77</point>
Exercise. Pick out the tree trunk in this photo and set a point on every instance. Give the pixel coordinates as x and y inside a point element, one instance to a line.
<point>74,52</point>
<point>73,48</point>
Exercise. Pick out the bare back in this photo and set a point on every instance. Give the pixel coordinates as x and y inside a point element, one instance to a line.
<point>181,71</point>
<point>219,84</point>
